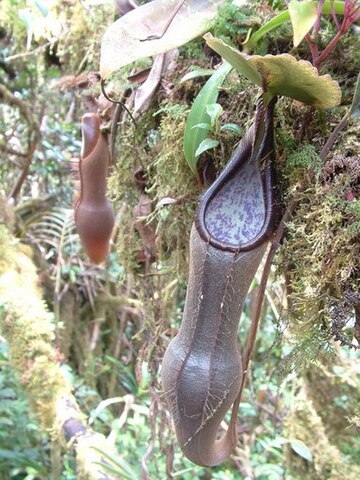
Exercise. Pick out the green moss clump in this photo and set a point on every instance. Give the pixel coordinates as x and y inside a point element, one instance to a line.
<point>321,254</point>
<point>27,325</point>
<point>81,41</point>
<point>303,162</point>
<point>233,22</point>
<point>334,389</point>
<point>11,20</point>
<point>173,180</point>
<point>303,423</point>
<point>170,187</point>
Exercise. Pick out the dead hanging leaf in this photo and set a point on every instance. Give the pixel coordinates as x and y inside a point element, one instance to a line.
<point>282,75</point>
<point>127,39</point>
<point>144,94</point>
<point>139,77</point>
<point>145,228</point>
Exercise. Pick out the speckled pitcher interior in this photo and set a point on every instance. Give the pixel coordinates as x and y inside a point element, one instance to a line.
<point>236,214</point>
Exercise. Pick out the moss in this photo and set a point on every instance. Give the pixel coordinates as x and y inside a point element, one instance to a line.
<point>11,20</point>
<point>27,325</point>
<point>232,22</point>
<point>158,147</point>
<point>302,162</point>
<point>334,389</point>
<point>303,423</point>
<point>173,180</point>
<point>7,214</point>
<point>321,252</point>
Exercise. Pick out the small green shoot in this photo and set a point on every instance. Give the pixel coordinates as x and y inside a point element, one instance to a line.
<point>214,110</point>
<point>205,145</point>
<point>232,127</point>
<point>196,127</point>
<point>199,72</point>
<point>205,126</point>
<point>118,466</point>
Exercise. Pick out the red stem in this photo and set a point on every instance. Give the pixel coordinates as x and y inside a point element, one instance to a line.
<point>334,16</point>
<point>313,48</point>
<point>328,49</point>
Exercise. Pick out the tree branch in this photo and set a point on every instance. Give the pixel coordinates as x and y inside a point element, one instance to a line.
<point>24,107</point>
<point>28,329</point>
<point>12,151</point>
<point>33,136</point>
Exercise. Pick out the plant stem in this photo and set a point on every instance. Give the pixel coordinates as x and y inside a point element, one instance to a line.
<point>313,48</point>
<point>259,301</point>
<point>333,137</point>
<point>329,48</point>
<point>319,12</point>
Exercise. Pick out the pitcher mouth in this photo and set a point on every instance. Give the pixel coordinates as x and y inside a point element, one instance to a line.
<point>237,213</point>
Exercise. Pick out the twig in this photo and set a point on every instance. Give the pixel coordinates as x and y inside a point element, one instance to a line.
<point>37,50</point>
<point>319,11</point>
<point>14,192</point>
<point>351,15</point>
<point>334,136</point>
<point>328,49</point>
<point>11,151</point>
<point>336,21</point>
<point>33,136</point>
<point>21,105</point>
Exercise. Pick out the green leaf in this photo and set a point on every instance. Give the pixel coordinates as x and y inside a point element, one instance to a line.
<point>118,472</point>
<point>199,72</point>
<point>284,17</point>
<point>232,127</point>
<point>275,22</point>
<point>235,58</point>
<point>205,126</point>
<point>355,106</point>
<point>298,79</point>
<point>206,144</point>
<point>125,470</point>
<point>133,36</point>
<point>301,449</point>
<point>214,110</point>
<point>303,15</point>
<point>198,114</point>
<point>282,75</point>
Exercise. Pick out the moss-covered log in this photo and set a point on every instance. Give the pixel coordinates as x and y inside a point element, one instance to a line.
<point>304,423</point>
<point>27,325</point>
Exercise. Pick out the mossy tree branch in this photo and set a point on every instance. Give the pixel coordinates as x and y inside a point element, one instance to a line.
<point>27,326</point>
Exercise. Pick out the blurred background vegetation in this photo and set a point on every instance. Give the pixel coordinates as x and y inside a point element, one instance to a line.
<point>299,416</point>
